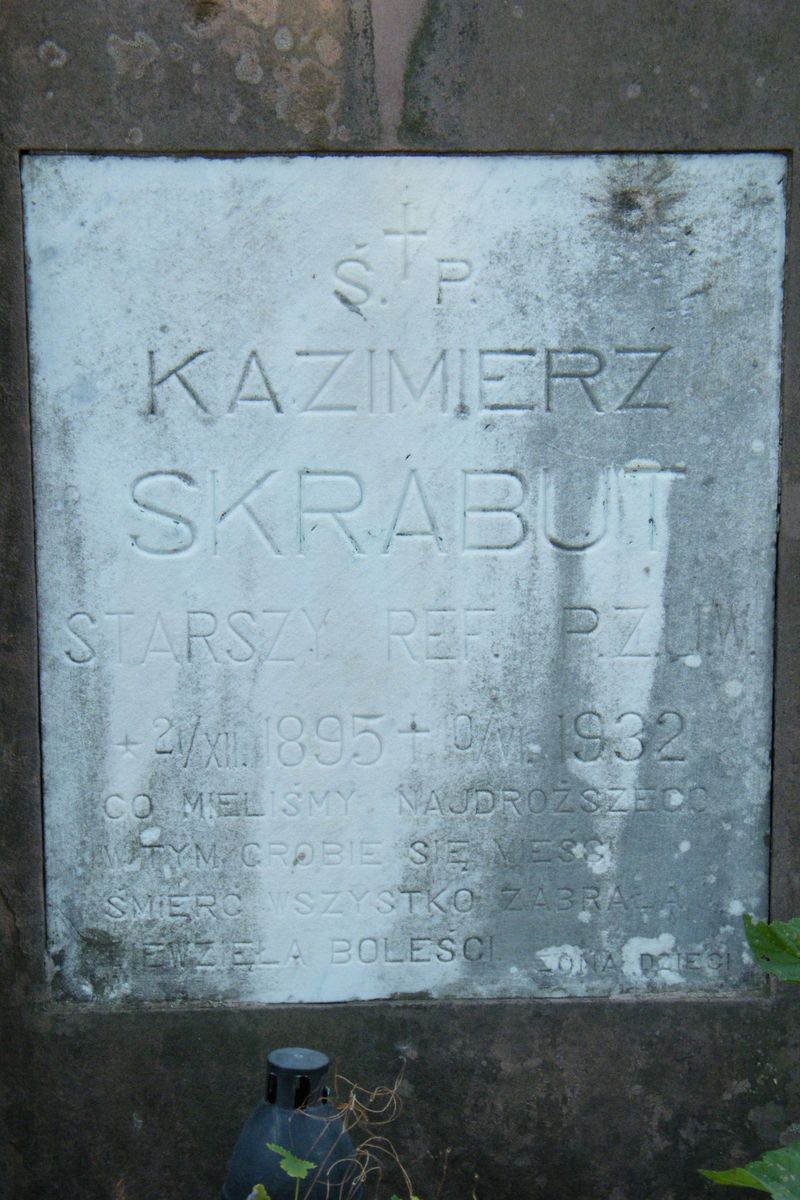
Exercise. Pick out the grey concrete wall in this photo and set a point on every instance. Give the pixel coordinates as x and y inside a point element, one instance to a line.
<point>623,1100</point>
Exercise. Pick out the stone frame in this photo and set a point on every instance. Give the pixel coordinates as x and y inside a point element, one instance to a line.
<point>580,1097</point>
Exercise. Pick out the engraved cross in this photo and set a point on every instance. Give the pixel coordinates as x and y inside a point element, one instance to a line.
<point>414,731</point>
<point>125,747</point>
<point>405,234</point>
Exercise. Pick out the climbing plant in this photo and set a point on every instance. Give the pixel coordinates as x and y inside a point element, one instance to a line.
<point>776,949</point>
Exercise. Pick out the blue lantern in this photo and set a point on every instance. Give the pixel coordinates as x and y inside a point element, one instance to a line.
<point>294,1144</point>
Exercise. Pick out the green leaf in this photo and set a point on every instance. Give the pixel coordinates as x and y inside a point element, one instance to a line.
<point>776,946</point>
<point>294,1167</point>
<point>259,1192</point>
<point>737,1177</point>
<point>776,1172</point>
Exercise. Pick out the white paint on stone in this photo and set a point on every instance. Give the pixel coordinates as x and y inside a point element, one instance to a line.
<point>650,958</point>
<point>600,862</point>
<point>381,505</point>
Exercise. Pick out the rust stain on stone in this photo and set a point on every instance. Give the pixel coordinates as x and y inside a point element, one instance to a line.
<point>204,10</point>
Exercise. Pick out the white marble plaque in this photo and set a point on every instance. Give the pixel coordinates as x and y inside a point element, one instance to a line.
<point>405,534</point>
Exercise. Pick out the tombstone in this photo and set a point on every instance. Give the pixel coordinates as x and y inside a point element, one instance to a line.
<point>400,625</point>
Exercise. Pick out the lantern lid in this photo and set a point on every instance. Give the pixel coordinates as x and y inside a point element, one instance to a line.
<point>296,1077</point>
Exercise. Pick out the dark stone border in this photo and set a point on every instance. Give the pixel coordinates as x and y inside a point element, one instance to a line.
<point>620,1099</point>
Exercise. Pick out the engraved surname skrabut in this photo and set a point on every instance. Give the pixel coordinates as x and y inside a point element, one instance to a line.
<point>490,510</point>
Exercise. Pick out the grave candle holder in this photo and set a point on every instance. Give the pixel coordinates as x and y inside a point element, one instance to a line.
<point>294,1143</point>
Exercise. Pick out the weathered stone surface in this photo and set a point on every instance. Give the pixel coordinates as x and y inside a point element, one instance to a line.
<point>293,71</point>
<point>404,629</point>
